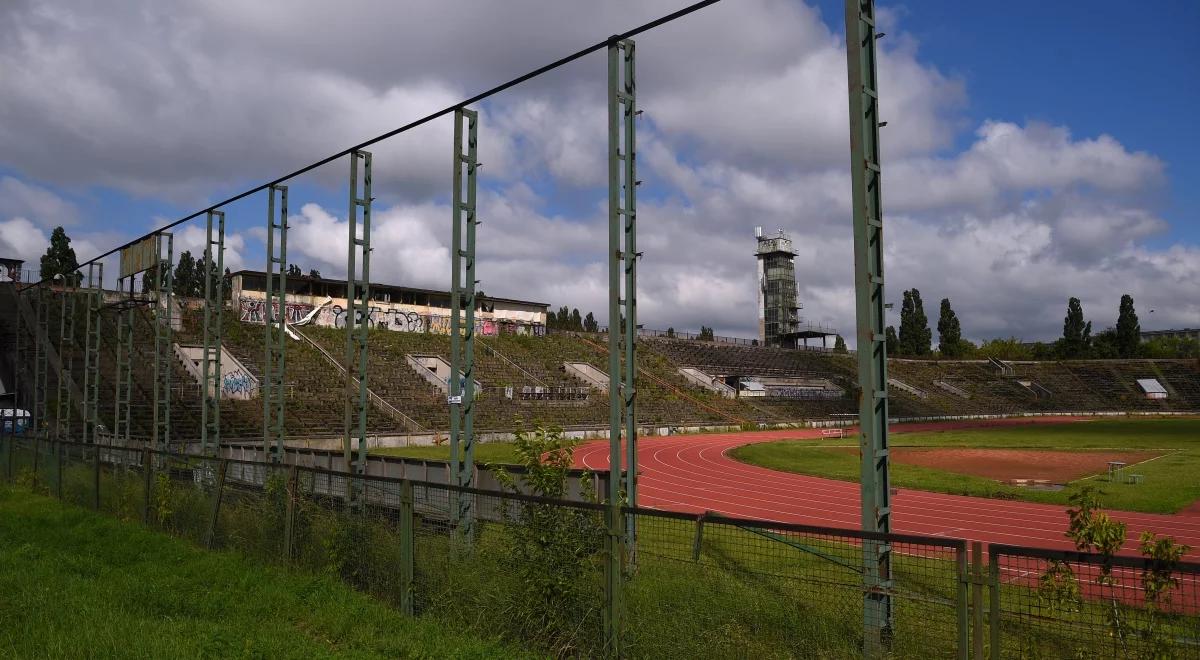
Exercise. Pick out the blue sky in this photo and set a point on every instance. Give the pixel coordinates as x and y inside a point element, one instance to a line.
<point>1128,69</point>
<point>1034,151</point>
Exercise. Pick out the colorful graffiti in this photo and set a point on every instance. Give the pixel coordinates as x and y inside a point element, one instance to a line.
<point>396,320</point>
<point>238,385</point>
<point>251,310</point>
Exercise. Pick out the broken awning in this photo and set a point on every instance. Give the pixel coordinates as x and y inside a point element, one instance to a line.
<point>1151,386</point>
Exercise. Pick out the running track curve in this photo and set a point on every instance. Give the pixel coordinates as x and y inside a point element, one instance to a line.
<point>693,473</point>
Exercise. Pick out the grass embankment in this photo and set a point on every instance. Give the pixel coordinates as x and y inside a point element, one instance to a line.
<point>485,452</point>
<point>77,584</point>
<point>1169,484</point>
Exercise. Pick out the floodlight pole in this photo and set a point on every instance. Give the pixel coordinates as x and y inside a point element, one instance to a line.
<point>66,340</point>
<point>91,359</point>
<point>869,307</point>
<point>123,374</point>
<point>41,363</point>
<point>358,300</point>
<point>210,367</point>
<point>622,324</point>
<point>275,325</point>
<point>462,331</point>
<point>164,346</point>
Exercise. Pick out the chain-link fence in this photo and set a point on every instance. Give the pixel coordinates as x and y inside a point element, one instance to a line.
<point>563,577</point>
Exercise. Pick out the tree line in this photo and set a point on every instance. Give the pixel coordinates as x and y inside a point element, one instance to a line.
<point>570,320</point>
<point>1124,340</point>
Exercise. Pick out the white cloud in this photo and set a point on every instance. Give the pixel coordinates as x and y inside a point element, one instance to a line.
<point>19,198</point>
<point>744,125</point>
<point>21,239</point>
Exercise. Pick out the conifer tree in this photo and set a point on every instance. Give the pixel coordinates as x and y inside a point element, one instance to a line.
<point>949,331</point>
<point>1129,331</point>
<point>60,258</point>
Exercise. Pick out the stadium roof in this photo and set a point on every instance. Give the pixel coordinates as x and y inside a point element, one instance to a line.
<point>394,288</point>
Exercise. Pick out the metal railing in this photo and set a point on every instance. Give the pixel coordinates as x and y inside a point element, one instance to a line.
<point>704,585</point>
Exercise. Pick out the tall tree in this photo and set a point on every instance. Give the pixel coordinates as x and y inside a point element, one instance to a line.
<point>891,342</point>
<point>316,275</point>
<point>839,345</point>
<point>186,275</point>
<point>60,258</point>
<point>949,331</point>
<point>294,271</point>
<point>1076,341</point>
<point>1129,331</point>
<point>576,321</point>
<point>590,324</point>
<point>706,333</point>
<point>915,335</point>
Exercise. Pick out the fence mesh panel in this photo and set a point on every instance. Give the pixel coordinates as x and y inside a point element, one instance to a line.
<point>1069,604</point>
<point>706,587</point>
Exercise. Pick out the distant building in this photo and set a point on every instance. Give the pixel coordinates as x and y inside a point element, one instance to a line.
<point>10,270</point>
<point>1182,333</point>
<point>322,301</point>
<point>779,321</point>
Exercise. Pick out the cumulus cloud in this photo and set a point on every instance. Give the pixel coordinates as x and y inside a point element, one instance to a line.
<point>19,198</point>
<point>744,125</point>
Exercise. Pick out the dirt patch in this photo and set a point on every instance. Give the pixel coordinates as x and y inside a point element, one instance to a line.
<point>1058,467</point>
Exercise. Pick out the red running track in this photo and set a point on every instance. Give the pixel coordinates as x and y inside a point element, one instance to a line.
<point>693,474</point>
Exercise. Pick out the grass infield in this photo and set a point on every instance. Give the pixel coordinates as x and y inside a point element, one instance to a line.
<point>1169,483</point>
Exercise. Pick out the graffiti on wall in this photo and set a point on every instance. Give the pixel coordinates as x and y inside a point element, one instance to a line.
<point>397,320</point>
<point>251,310</point>
<point>238,384</point>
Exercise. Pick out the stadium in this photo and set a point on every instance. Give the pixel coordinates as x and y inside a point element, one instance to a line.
<point>549,485</point>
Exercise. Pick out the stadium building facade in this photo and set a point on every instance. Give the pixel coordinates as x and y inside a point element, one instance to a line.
<point>322,301</point>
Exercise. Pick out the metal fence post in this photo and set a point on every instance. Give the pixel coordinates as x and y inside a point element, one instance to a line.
<point>613,580</point>
<point>210,537</point>
<point>289,521</point>
<point>58,462</point>
<point>994,614</point>
<point>977,580</point>
<point>961,601</point>
<point>407,547</point>
<point>96,477</point>
<point>37,452</point>
<point>147,483</point>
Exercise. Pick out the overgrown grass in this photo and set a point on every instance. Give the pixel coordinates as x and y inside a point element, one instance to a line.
<point>502,453</point>
<point>1169,483</point>
<point>79,584</point>
<point>723,592</point>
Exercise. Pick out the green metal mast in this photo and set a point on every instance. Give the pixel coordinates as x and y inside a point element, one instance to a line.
<point>210,358</point>
<point>41,364</point>
<point>91,359</point>
<point>20,374</point>
<point>462,339</point>
<point>66,342</point>
<point>622,323</point>
<point>358,299</point>
<point>275,325</point>
<point>164,343</point>
<point>622,319</point>
<point>869,301</point>
<point>629,384</point>
<point>123,376</point>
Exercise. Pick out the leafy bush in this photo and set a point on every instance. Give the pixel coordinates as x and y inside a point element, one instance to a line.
<point>553,550</point>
